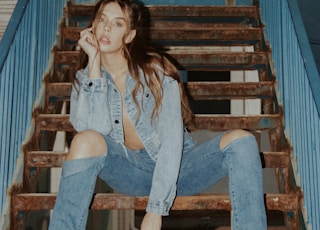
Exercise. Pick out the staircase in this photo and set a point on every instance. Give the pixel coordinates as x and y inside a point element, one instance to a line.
<point>213,46</point>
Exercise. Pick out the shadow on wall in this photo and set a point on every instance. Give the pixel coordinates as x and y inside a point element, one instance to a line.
<point>310,13</point>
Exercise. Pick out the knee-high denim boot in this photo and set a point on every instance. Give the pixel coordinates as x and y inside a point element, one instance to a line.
<point>75,193</point>
<point>245,184</point>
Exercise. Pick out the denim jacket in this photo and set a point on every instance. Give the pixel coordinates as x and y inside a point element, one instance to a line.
<point>98,107</point>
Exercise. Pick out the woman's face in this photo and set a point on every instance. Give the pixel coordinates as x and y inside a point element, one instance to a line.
<point>110,27</point>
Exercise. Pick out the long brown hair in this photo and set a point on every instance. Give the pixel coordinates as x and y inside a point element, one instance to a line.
<point>140,54</point>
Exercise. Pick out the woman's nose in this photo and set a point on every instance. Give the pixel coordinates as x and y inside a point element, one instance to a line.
<point>107,26</point>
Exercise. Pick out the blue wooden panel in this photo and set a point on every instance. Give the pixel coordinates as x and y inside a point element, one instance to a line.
<point>299,88</point>
<point>25,52</point>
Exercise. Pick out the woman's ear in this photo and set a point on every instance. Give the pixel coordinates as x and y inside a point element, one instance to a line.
<point>130,36</point>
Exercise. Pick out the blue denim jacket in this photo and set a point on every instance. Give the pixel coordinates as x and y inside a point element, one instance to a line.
<point>97,106</point>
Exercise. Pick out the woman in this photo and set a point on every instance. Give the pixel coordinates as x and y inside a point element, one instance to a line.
<point>130,111</point>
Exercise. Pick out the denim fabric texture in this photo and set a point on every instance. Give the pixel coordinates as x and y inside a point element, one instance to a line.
<point>170,164</point>
<point>96,105</point>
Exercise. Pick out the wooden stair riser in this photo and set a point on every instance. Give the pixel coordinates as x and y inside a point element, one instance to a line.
<point>241,15</point>
<point>194,60</point>
<point>196,90</point>
<point>215,36</point>
<point>49,159</point>
<point>57,122</point>
<point>42,201</point>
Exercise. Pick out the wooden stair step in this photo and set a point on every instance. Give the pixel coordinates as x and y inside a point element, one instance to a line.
<point>202,36</point>
<point>105,201</point>
<point>188,24</point>
<point>196,90</point>
<point>218,122</point>
<point>204,11</point>
<point>58,89</point>
<point>49,159</point>
<point>202,33</point>
<point>229,90</point>
<point>214,122</point>
<point>221,60</point>
<point>165,11</point>
<point>208,60</point>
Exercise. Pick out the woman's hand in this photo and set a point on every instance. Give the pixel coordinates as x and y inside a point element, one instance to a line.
<point>151,221</point>
<point>89,44</point>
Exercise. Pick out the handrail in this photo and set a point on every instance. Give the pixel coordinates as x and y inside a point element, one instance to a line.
<point>309,61</point>
<point>25,53</point>
<point>299,88</point>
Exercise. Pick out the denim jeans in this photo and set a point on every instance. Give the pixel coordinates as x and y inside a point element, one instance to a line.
<point>130,172</point>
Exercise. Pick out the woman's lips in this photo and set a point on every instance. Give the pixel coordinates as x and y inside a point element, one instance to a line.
<point>104,40</point>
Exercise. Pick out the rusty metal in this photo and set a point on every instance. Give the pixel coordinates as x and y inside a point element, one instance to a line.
<point>65,58</point>
<point>268,105</point>
<point>64,64</point>
<point>202,35</point>
<point>220,60</point>
<point>71,34</point>
<point>61,89</point>
<point>196,90</point>
<point>45,159</point>
<point>249,12</point>
<point>275,159</point>
<point>227,35</point>
<point>45,201</point>
<point>79,10</point>
<point>226,122</point>
<point>58,122</point>
<point>227,90</point>
<point>192,25</point>
<point>54,122</point>
<point>48,159</point>
<point>208,59</point>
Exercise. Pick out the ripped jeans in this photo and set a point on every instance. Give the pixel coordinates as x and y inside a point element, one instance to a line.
<point>130,172</point>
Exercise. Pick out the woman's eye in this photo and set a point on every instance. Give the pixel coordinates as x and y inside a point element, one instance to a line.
<point>117,23</point>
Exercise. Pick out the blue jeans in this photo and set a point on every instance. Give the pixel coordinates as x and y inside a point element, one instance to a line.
<point>130,172</point>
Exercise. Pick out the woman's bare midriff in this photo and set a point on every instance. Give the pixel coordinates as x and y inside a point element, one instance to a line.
<point>131,138</point>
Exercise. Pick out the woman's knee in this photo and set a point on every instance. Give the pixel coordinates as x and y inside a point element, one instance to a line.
<point>87,143</point>
<point>231,136</point>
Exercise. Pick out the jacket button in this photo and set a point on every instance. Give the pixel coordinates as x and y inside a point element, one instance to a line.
<point>90,83</point>
<point>116,121</point>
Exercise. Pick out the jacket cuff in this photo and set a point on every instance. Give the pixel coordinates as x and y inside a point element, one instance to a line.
<point>161,208</point>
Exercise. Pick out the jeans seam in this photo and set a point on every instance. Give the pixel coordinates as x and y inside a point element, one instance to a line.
<point>233,200</point>
<point>132,163</point>
<point>200,160</point>
<point>88,200</point>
